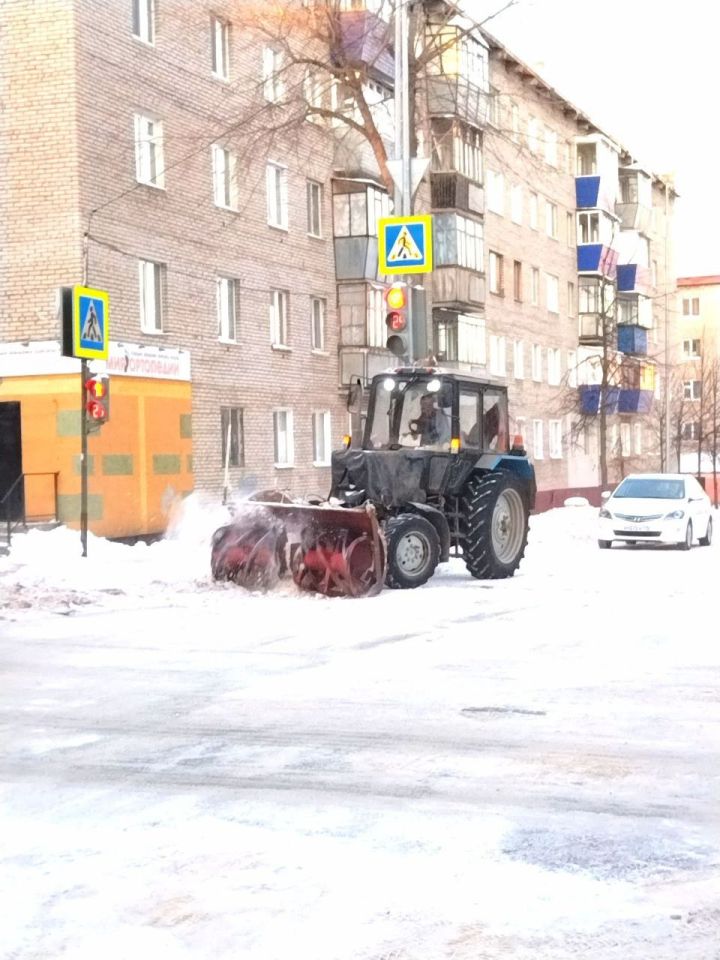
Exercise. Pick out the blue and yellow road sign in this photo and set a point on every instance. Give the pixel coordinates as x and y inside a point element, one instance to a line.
<point>405,244</point>
<point>90,323</point>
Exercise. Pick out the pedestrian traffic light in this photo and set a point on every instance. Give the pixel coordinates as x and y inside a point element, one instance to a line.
<point>97,400</point>
<point>396,319</point>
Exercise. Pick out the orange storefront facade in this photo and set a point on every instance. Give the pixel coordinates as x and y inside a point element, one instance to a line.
<point>139,463</point>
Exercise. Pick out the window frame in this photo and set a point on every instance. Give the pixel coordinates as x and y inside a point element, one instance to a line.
<point>326,434</point>
<point>318,324</point>
<point>143,21</point>
<point>226,289</point>
<point>536,363</point>
<point>276,184</point>
<point>237,435</point>
<point>279,319</point>
<point>538,448</point>
<point>224,177</point>
<point>496,269</point>
<point>272,83</point>
<point>555,445</point>
<point>220,53</point>
<point>314,197</point>
<point>157,298</point>
<point>149,151</point>
<point>289,432</point>
<point>519,359</point>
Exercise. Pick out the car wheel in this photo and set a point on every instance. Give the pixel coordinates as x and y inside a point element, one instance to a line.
<point>688,541</point>
<point>604,544</point>
<point>707,539</point>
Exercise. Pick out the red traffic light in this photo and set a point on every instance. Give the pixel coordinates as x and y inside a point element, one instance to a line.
<point>96,401</point>
<point>396,321</point>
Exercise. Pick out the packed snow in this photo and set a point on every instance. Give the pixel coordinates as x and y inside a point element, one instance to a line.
<point>526,768</point>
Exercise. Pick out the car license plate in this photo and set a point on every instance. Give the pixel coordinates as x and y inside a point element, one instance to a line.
<point>640,527</point>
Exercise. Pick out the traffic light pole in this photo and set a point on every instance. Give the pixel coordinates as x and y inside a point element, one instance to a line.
<point>403,192</point>
<point>84,373</point>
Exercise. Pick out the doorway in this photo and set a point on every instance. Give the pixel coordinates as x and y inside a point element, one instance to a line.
<point>10,462</point>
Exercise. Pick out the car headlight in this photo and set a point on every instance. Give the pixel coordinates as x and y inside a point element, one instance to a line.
<point>675,515</point>
<point>605,514</point>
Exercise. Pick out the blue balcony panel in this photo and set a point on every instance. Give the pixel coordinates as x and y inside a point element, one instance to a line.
<point>632,278</point>
<point>587,191</point>
<point>632,339</point>
<point>635,401</point>
<point>590,398</point>
<point>597,258</point>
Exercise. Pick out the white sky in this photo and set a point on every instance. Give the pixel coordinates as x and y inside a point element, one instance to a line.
<point>646,72</point>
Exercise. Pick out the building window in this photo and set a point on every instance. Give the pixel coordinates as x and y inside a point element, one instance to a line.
<point>224,180</point>
<point>494,107</point>
<point>273,86</point>
<point>495,273</point>
<point>357,214</point>
<point>691,349</point>
<point>534,202</point>
<point>691,431</point>
<point>572,368</point>
<point>554,366</point>
<point>535,286</point>
<point>515,122</point>
<point>572,306</point>
<point>638,444</point>
<point>284,446</point>
<point>570,228</point>
<point>149,165</point>
<point>277,200</point>
<point>498,360</point>
<point>376,329</point>
<point>532,135</point>
<point>314,208</point>
<point>521,430</point>
<point>538,440</point>
<point>692,389</point>
<point>519,359</point>
<point>516,204</point>
<point>232,436</point>
<point>551,152</point>
<point>227,308</point>
<point>467,154</point>
<point>220,31</point>
<point>313,91</point>
<point>537,362</point>
<point>279,322</point>
<point>317,323</point>
<point>551,219</point>
<point>458,241</point>
<point>517,281</point>
<point>555,439</point>
<point>691,307</point>
<point>552,293</point>
<point>495,193</point>
<point>321,438</point>
<point>151,296</point>
<point>625,448</point>
<point>588,228</point>
<point>143,15</point>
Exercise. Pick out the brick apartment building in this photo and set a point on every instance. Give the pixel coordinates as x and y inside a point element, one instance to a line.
<point>160,153</point>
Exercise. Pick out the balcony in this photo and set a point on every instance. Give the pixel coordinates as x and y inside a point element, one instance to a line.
<point>458,288</point>
<point>633,278</point>
<point>632,340</point>
<point>590,394</point>
<point>455,96</point>
<point>356,258</point>
<point>366,41</point>
<point>635,401</point>
<point>453,191</point>
<point>597,258</point>
<point>590,329</point>
<point>634,208</point>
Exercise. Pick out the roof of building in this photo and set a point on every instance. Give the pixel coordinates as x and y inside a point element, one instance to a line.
<point>698,281</point>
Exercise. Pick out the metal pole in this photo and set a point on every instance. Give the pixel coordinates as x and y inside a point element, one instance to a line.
<point>83,458</point>
<point>666,465</point>
<point>403,194</point>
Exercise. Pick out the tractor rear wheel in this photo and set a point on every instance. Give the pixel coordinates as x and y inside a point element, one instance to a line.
<point>495,510</point>
<point>413,551</point>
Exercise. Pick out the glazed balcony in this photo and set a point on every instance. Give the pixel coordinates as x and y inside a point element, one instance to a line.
<point>634,206</point>
<point>632,340</point>
<point>590,396</point>
<point>450,191</point>
<point>597,258</point>
<point>457,77</point>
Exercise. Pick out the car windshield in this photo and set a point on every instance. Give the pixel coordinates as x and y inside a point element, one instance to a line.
<point>411,413</point>
<point>645,488</point>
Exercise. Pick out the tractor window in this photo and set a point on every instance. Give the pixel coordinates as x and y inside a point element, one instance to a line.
<point>495,420</point>
<point>408,414</point>
<point>470,418</point>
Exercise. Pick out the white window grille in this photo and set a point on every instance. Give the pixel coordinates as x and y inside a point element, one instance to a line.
<point>227,308</point>
<point>151,296</point>
<point>149,164</point>
<point>279,321</point>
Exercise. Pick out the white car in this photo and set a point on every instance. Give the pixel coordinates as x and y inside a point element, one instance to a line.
<point>656,508</point>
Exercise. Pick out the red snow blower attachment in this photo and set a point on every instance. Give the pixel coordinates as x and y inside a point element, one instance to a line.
<point>335,551</point>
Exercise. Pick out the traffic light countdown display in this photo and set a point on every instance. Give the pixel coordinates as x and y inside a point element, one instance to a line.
<point>396,319</point>
<point>97,401</point>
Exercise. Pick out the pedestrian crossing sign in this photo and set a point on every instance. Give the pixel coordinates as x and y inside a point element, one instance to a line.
<point>405,244</point>
<point>91,316</point>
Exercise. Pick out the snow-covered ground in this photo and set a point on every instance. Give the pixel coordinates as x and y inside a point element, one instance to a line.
<point>523,769</point>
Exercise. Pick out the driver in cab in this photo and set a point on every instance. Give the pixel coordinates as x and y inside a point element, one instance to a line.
<point>432,426</point>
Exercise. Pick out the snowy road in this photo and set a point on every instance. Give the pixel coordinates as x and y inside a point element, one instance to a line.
<point>525,769</point>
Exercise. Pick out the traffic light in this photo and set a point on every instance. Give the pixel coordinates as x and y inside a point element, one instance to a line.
<point>396,319</point>
<point>97,401</point>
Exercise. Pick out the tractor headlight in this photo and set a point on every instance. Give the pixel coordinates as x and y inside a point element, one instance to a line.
<point>389,384</point>
<point>433,386</point>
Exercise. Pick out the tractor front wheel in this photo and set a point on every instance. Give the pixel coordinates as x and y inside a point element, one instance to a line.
<point>496,515</point>
<point>413,551</point>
